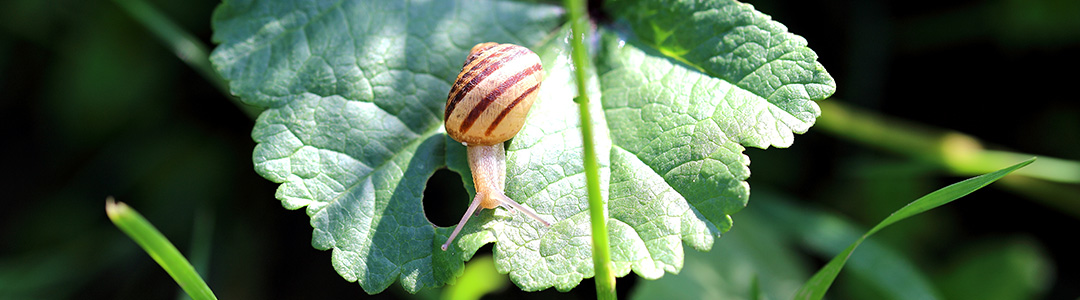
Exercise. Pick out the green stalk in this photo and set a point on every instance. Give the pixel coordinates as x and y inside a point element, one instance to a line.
<point>955,152</point>
<point>160,249</point>
<point>186,47</point>
<point>605,279</point>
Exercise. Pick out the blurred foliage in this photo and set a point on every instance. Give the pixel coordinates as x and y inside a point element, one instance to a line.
<point>761,251</point>
<point>1010,267</point>
<point>95,105</point>
<point>480,277</point>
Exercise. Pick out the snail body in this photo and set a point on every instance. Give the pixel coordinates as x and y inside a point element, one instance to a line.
<point>487,106</point>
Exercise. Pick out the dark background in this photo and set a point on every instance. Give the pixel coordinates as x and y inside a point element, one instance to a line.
<point>94,106</point>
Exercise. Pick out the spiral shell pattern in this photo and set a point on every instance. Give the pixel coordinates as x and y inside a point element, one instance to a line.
<point>493,93</point>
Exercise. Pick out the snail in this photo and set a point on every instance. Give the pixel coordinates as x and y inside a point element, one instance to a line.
<point>487,106</point>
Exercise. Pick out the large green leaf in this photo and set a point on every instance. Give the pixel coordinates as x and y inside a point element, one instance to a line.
<point>354,91</point>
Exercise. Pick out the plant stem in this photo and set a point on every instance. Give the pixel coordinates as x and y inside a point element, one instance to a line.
<point>186,47</point>
<point>955,152</point>
<point>605,279</point>
<point>159,248</point>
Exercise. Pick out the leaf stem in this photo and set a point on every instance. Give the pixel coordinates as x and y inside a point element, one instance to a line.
<point>182,43</point>
<point>605,279</point>
<point>159,248</point>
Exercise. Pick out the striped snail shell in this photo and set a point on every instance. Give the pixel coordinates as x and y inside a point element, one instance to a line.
<point>492,94</point>
<point>487,106</point>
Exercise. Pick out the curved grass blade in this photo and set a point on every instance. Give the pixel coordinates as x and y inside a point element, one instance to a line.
<point>818,284</point>
<point>160,249</point>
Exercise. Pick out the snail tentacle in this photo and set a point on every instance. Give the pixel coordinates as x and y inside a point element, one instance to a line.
<point>464,219</point>
<point>513,206</point>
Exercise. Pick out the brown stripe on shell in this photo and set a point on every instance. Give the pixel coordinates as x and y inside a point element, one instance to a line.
<point>509,108</point>
<point>482,105</point>
<point>488,69</point>
<point>477,51</point>
<point>463,84</point>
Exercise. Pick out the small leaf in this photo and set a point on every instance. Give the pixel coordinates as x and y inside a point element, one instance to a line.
<point>818,284</point>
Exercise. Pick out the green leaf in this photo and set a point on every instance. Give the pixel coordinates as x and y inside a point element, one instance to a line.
<point>354,92</point>
<point>728,62</point>
<point>818,284</point>
<point>701,81</point>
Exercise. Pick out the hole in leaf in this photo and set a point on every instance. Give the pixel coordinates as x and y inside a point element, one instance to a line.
<point>445,199</point>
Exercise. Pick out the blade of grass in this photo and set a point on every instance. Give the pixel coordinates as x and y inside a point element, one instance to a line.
<point>160,249</point>
<point>605,279</point>
<point>880,267</point>
<point>818,284</point>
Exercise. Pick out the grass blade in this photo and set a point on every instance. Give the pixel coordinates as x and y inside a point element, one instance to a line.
<point>160,249</point>
<point>818,284</point>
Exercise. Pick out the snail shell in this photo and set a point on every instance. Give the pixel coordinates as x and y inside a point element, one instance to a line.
<point>493,93</point>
